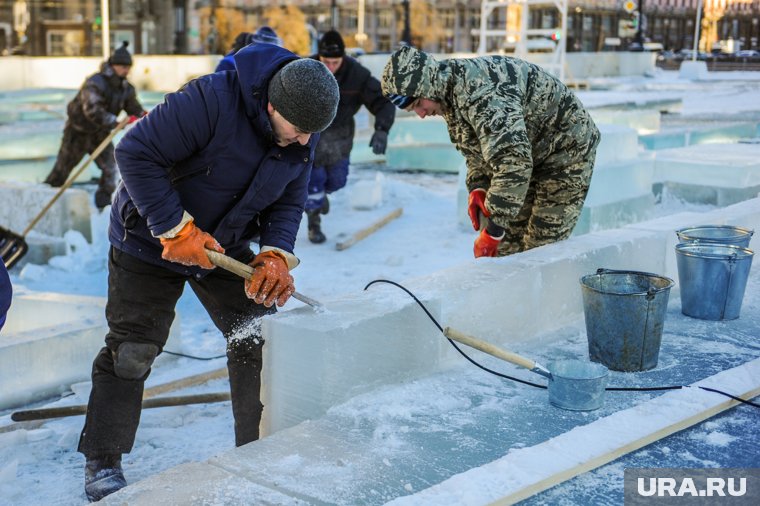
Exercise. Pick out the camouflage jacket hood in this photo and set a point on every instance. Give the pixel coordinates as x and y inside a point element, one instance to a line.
<point>413,73</point>
<point>510,119</point>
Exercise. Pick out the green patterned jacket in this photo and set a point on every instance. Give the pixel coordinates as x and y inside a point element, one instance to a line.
<point>511,120</point>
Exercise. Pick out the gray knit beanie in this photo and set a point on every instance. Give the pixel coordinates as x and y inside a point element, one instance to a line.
<point>306,94</point>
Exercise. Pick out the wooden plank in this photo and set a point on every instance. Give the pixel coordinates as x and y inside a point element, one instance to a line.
<point>363,233</point>
<point>613,454</point>
<point>189,381</point>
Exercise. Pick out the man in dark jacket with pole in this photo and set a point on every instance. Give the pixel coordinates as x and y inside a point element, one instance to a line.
<point>223,161</point>
<point>91,117</point>
<point>357,88</point>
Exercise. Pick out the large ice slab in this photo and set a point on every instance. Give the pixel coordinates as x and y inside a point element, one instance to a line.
<point>643,121</point>
<point>698,134</point>
<point>355,345</point>
<point>30,158</point>
<point>719,174</point>
<point>63,332</point>
<point>22,202</point>
<point>618,143</point>
<point>414,130</point>
<point>422,144</point>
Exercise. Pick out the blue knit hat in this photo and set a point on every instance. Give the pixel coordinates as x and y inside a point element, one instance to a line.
<point>400,101</point>
<point>266,34</point>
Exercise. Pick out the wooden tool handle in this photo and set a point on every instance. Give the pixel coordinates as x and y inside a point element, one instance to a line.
<point>246,271</point>
<point>76,173</point>
<point>485,347</point>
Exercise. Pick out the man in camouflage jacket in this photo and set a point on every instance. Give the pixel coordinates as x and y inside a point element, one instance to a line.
<point>528,142</point>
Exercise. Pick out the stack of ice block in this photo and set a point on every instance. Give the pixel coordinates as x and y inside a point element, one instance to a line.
<point>718,174</point>
<point>422,144</point>
<point>22,202</point>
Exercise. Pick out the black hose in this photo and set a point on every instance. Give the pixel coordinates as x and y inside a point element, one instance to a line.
<point>449,340</point>
<point>471,360</point>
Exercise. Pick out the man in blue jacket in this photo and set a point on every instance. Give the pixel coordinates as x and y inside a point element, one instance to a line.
<point>221,162</point>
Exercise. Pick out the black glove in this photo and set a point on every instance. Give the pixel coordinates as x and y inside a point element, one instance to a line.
<point>379,142</point>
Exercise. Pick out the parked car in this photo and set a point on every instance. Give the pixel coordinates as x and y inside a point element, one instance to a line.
<point>688,54</point>
<point>747,55</point>
<point>666,55</point>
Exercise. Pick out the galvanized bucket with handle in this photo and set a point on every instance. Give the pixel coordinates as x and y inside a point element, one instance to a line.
<point>575,385</point>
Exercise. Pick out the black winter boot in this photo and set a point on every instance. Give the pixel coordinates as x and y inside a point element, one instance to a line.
<point>315,232</point>
<point>103,476</point>
<point>325,206</point>
<point>102,199</point>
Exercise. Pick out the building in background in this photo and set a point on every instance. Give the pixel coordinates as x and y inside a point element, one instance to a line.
<point>73,27</point>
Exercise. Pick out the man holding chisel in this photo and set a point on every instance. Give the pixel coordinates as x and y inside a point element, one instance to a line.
<point>221,162</point>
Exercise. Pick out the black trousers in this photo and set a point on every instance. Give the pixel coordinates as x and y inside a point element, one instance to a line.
<point>74,146</point>
<point>140,309</point>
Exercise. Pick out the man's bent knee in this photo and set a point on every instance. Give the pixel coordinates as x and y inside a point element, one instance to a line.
<point>132,360</point>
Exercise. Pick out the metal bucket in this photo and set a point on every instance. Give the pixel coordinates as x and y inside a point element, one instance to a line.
<point>625,315</point>
<point>712,278</point>
<point>577,385</point>
<point>721,234</point>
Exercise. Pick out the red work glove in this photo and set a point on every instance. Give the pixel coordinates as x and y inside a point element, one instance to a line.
<point>486,245</point>
<point>271,280</point>
<point>134,117</point>
<point>188,247</point>
<point>476,205</point>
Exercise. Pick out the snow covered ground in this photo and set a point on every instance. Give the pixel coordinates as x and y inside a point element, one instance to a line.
<point>41,466</point>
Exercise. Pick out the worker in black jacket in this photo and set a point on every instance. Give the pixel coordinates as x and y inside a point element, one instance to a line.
<point>357,88</point>
<point>92,117</point>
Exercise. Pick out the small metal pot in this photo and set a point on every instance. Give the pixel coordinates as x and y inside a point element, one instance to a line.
<point>575,385</point>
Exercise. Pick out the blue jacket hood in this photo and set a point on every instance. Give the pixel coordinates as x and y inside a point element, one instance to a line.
<point>255,65</point>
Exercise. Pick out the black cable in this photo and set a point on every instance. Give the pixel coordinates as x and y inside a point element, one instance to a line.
<point>449,340</point>
<point>619,389</point>
<point>190,356</point>
<point>732,396</point>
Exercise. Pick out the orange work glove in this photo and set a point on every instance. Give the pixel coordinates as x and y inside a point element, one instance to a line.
<point>476,205</point>
<point>188,247</point>
<point>486,245</point>
<point>271,280</point>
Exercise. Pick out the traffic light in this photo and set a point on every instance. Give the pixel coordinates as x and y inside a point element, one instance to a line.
<point>556,36</point>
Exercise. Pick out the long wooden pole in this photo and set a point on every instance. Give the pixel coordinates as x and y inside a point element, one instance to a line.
<point>157,402</point>
<point>363,233</point>
<point>148,394</point>
<point>76,173</point>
